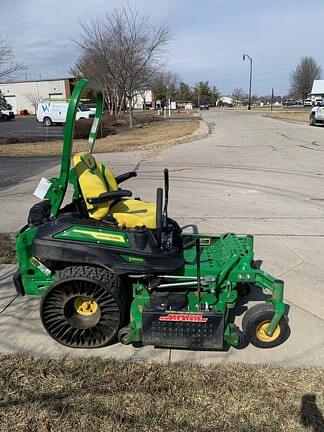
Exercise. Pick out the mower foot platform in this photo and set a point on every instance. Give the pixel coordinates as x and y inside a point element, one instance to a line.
<point>182,329</point>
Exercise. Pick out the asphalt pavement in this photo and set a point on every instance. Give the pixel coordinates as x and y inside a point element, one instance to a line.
<point>29,127</point>
<point>251,175</point>
<point>14,170</point>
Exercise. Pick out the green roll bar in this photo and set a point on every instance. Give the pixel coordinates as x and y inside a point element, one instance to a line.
<point>57,189</point>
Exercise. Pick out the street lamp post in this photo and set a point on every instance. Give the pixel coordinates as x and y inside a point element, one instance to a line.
<point>250,58</point>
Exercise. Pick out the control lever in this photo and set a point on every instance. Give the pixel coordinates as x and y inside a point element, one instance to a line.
<point>166,196</point>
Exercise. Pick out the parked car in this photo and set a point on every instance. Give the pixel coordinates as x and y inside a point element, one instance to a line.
<point>316,116</point>
<point>6,113</point>
<point>50,112</point>
<point>308,102</point>
<point>289,102</point>
<point>204,106</point>
<point>319,102</point>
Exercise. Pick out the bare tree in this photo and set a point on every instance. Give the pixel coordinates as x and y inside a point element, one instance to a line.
<point>34,99</point>
<point>7,64</point>
<point>164,85</point>
<point>3,101</point>
<point>238,94</point>
<point>125,50</point>
<point>302,77</point>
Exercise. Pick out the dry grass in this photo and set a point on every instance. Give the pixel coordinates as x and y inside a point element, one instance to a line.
<point>158,133</point>
<point>104,395</point>
<point>300,116</point>
<point>7,248</point>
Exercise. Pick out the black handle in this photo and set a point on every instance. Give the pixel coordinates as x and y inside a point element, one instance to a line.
<point>122,177</point>
<point>107,196</point>
<point>159,215</point>
<point>166,195</point>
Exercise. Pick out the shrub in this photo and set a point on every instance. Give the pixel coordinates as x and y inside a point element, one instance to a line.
<point>106,127</point>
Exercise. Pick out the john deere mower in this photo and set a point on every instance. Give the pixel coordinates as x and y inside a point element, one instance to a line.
<point>109,267</point>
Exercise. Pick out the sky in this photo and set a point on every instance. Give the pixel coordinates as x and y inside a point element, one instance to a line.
<point>209,37</point>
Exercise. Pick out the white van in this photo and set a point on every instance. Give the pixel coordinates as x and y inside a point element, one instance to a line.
<point>50,112</point>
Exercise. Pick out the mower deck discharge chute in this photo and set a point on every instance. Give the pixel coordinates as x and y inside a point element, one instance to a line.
<point>111,267</point>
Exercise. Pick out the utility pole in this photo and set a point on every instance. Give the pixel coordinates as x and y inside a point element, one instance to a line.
<point>250,86</point>
<point>272,94</point>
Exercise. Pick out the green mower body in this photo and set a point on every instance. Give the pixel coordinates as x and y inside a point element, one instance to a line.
<point>162,286</point>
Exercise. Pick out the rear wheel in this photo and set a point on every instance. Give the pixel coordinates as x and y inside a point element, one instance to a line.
<point>312,121</point>
<point>255,323</point>
<point>47,121</point>
<point>84,308</point>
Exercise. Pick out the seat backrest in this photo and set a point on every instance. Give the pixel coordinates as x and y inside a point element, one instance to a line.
<point>94,179</point>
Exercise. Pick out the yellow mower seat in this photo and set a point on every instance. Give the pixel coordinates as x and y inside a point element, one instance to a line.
<point>94,179</point>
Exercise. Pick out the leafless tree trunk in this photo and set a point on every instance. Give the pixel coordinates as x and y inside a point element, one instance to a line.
<point>7,64</point>
<point>123,51</point>
<point>302,77</point>
<point>238,94</point>
<point>34,99</point>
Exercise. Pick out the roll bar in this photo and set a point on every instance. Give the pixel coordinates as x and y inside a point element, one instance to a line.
<point>57,190</point>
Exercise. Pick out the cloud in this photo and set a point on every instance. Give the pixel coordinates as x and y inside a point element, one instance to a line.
<point>209,37</point>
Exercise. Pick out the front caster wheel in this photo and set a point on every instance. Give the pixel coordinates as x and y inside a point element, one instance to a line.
<point>84,308</point>
<point>122,335</point>
<point>255,323</point>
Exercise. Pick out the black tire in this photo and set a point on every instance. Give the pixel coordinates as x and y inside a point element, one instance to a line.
<point>72,324</point>
<point>312,121</point>
<point>256,318</point>
<point>5,117</point>
<point>47,121</point>
<point>123,332</point>
<point>242,342</point>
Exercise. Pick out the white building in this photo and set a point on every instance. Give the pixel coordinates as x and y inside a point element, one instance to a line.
<point>15,91</point>
<point>317,93</point>
<point>143,100</point>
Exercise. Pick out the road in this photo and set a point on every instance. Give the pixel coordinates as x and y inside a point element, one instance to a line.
<point>250,175</point>
<point>14,170</point>
<point>28,127</point>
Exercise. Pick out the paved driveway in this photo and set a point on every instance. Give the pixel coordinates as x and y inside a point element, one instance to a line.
<point>29,127</point>
<point>250,175</point>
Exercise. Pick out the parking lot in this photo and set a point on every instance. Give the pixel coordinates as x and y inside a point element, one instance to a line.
<point>29,127</point>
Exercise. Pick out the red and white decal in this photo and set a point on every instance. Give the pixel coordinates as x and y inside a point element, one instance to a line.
<point>184,318</point>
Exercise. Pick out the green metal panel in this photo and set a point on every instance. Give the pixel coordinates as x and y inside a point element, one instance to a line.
<point>36,278</point>
<point>94,235</point>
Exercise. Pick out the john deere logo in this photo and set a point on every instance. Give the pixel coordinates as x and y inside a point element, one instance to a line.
<point>136,259</point>
<point>133,259</point>
<point>101,235</point>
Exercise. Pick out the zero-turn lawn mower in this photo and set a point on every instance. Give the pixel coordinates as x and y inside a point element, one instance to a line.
<point>109,267</point>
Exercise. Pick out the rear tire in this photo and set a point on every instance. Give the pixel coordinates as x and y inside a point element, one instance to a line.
<point>47,122</point>
<point>84,308</point>
<point>255,322</point>
<point>312,120</point>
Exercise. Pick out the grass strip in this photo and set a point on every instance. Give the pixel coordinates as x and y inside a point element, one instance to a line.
<point>7,248</point>
<point>104,395</point>
<point>152,135</point>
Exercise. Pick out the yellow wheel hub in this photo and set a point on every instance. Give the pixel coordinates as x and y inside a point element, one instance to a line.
<point>262,335</point>
<point>85,306</point>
